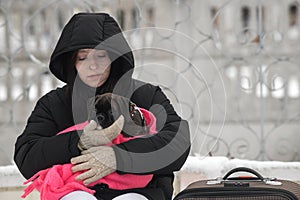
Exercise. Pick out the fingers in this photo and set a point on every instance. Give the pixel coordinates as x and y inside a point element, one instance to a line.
<point>94,164</point>
<point>80,159</point>
<point>86,175</point>
<point>114,130</point>
<point>94,137</point>
<point>117,126</point>
<point>91,150</point>
<point>92,125</point>
<point>81,167</point>
<point>91,180</point>
<point>120,122</point>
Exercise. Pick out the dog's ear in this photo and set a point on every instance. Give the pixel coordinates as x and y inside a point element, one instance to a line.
<point>104,102</point>
<point>91,108</point>
<point>120,106</point>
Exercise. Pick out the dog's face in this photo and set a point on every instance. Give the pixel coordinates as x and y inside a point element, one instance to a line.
<point>106,108</point>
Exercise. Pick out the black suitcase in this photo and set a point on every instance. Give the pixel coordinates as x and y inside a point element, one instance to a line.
<point>241,187</point>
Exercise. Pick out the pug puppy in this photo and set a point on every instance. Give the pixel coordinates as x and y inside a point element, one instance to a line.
<point>106,108</point>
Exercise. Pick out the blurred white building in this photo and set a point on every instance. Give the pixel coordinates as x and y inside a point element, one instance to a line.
<point>230,67</point>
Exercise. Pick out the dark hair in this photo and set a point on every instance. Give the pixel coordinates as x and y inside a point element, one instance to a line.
<point>68,63</point>
<point>115,74</point>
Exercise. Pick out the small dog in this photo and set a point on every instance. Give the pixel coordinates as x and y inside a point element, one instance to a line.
<point>106,108</point>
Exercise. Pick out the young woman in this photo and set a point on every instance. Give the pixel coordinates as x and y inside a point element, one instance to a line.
<point>92,57</point>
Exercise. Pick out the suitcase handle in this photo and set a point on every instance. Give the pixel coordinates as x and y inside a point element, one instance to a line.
<point>244,169</point>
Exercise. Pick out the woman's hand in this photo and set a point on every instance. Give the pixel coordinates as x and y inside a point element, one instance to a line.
<point>98,161</point>
<point>92,136</point>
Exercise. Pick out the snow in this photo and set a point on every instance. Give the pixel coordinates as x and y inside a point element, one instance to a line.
<point>213,167</point>
<point>10,177</point>
<point>195,168</point>
<point>209,166</point>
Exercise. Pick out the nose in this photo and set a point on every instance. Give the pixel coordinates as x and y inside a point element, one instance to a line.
<point>93,65</point>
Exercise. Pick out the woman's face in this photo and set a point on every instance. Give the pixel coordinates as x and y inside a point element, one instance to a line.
<point>93,66</point>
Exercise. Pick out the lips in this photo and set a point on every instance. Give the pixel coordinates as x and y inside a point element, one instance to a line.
<point>94,76</point>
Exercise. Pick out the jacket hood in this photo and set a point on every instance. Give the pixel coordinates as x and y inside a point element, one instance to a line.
<point>89,30</point>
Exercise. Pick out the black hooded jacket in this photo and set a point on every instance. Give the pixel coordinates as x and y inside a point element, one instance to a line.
<point>39,148</point>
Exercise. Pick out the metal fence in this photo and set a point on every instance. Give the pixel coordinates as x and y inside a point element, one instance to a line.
<point>231,67</point>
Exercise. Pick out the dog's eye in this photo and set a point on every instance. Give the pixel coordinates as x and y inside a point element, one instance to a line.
<point>100,117</point>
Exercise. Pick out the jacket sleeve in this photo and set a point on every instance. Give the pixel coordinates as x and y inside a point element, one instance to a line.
<point>37,147</point>
<point>162,153</point>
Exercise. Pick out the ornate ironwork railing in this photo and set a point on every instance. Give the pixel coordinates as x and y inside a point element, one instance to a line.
<point>231,67</point>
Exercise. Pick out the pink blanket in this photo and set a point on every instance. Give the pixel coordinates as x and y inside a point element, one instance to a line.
<point>59,180</point>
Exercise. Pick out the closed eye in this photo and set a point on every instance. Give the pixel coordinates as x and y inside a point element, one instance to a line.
<point>81,59</point>
<point>100,57</point>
